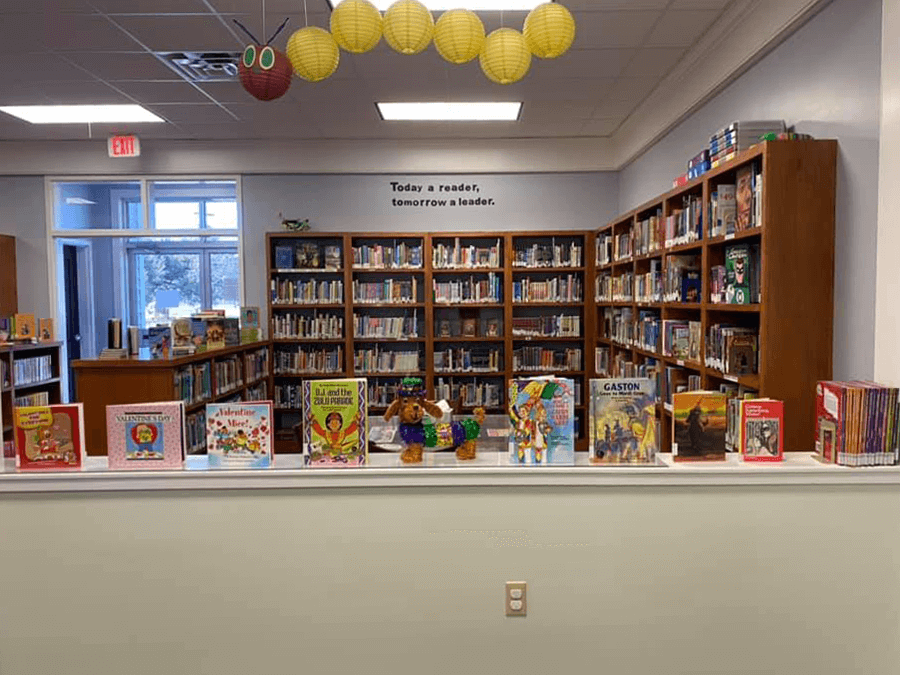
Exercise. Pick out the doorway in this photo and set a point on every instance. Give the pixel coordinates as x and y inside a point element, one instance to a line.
<point>76,305</point>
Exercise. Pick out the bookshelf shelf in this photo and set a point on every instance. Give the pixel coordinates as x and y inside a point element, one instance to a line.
<point>312,305</point>
<point>359,304</point>
<point>554,270</point>
<point>306,341</point>
<point>794,216</point>
<point>33,385</point>
<point>467,270</point>
<point>306,271</point>
<point>576,303</point>
<point>389,340</point>
<point>468,339</point>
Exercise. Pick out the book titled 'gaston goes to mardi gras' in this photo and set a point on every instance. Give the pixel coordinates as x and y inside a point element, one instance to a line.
<point>335,431</point>
<point>622,427</point>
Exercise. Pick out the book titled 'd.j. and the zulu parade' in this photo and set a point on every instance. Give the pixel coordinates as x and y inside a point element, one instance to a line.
<point>336,430</point>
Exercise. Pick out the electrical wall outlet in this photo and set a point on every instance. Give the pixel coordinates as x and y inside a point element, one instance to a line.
<point>516,598</point>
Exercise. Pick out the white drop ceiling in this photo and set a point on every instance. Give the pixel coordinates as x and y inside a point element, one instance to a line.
<point>101,51</point>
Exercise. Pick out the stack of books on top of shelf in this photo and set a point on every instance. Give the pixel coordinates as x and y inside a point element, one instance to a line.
<point>548,255</point>
<point>856,423</point>
<point>738,136</point>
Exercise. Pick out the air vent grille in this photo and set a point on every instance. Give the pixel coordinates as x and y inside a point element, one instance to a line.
<point>203,66</point>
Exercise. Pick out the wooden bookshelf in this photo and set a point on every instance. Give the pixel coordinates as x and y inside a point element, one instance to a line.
<point>794,314</point>
<point>100,383</point>
<point>11,388</point>
<point>8,287</point>
<point>440,322</point>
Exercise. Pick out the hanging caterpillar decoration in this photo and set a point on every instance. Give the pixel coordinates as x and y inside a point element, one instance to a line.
<point>265,72</point>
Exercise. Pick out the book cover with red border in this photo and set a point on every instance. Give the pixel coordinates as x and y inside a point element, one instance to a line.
<point>762,430</point>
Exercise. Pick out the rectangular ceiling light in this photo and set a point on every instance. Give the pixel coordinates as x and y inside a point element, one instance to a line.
<point>450,112</point>
<point>80,114</point>
<point>474,5</point>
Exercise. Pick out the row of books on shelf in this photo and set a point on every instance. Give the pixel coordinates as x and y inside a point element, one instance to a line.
<point>38,398</point>
<point>733,350</point>
<point>470,394</point>
<point>681,282</point>
<point>461,359</point>
<point>307,255</point>
<point>647,234</point>
<point>727,142</point>
<point>685,224</point>
<point>547,359</point>
<point>26,371</point>
<point>318,326</point>
<point>308,292</point>
<point>737,282</point>
<point>467,327</point>
<point>399,255</point>
<point>454,256</point>
<point>308,360</point>
<point>737,207</point>
<point>23,327</point>
<point>561,326</point>
<point>471,290</point>
<point>681,339</point>
<point>382,327</point>
<point>569,254</point>
<point>386,291</point>
<point>205,331</point>
<point>857,423</point>
<point>146,436</point>
<point>236,370</point>
<point>385,361</point>
<point>562,289</point>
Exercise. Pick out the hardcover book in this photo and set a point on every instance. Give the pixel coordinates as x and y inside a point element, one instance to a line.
<point>335,432</point>
<point>699,424</point>
<point>50,438</point>
<point>284,257</point>
<point>741,354</point>
<point>145,435</point>
<point>239,435</point>
<point>542,412</point>
<point>232,328</point>
<point>831,399</point>
<point>727,209</point>
<point>24,326</point>
<point>159,340</point>
<point>45,330</point>
<point>182,337</point>
<point>249,324</point>
<point>622,426</point>
<point>737,274</point>
<point>762,430</point>
<point>744,199</point>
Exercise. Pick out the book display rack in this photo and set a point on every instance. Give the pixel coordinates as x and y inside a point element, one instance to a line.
<point>726,283</point>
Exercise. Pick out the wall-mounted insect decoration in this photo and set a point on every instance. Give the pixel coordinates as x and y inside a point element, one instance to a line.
<point>265,72</point>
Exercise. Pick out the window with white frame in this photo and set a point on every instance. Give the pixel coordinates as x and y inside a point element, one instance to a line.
<point>158,249</point>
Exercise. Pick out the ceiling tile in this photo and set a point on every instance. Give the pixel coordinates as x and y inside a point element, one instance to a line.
<point>385,62</point>
<point>601,127</point>
<point>180,33</point>
<point>578,6</point>
<point>681,28</point>
<point>45,7</point>
<point>163,92</point>
<point>653,61</point>
<point>586,63</point>
<point>123,65</point>
<point>229,92</point>
<point>151,6</point>
<point>699,4</point>
<point>272,6</point>
<point>193,114</point>
<point>73,32</point>
<point>43,66</point>
<point>553,111</point>
<point>614,29</point>
<point>74,93</point>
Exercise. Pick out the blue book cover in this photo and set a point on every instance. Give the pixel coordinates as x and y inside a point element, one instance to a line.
<point>284,257</point>
<point>542,412</point>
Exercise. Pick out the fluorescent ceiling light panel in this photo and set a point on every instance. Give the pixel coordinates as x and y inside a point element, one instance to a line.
<point>450,112</point>
<point>81,114</point>
<point>474,5</point>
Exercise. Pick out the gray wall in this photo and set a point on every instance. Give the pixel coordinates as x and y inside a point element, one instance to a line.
<point>825,79</point>
<point>734,580</point>
<point>22,215</point>
<point>363,203</point>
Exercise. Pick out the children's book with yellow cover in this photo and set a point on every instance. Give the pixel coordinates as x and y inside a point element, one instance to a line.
<point>336,427</point>
<point>622,426</point>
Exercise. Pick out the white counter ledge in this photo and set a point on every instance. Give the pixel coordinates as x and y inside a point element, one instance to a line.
<point>442,470</point>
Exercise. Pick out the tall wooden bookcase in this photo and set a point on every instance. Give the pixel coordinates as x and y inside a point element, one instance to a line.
<point>21,376</point>
<point>795,313</point>
<point>448,328</point>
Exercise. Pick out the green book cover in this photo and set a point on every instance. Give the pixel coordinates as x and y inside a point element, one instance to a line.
<point>737,274</point>
<point>335,427</point>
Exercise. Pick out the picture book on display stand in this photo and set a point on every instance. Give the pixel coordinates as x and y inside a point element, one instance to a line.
<point>699,425</point>
<point>622,421</point>
<point>335,429</point>
<point>145,436</point>
<point>50,438</point>
<point>239,435</point>
<point>762,430</point>
<point>542,412</point>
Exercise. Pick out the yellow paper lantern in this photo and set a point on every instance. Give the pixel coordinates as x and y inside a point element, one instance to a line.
<point>408,26</point>
<point>549,30</point>
<point>313,53</point>
<point>505,57</point>
<point>459,35</point>
<point>356,25</point>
